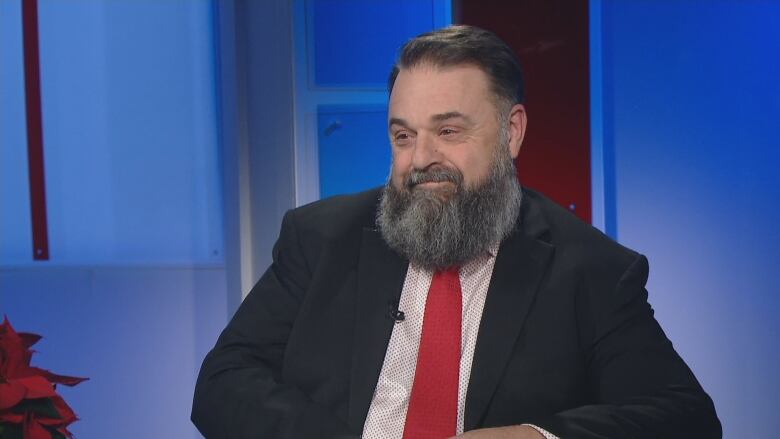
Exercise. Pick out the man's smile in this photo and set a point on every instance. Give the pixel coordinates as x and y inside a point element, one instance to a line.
<point>434,184</point>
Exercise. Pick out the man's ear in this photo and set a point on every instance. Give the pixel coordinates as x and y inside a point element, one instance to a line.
<point>517,124</point>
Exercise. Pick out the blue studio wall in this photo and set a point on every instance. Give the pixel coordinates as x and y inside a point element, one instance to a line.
<point>134,293</point>
<point>691,104</point>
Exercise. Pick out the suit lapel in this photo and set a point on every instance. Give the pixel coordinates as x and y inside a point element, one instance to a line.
<point>381,275</point>
<point>520,265</point>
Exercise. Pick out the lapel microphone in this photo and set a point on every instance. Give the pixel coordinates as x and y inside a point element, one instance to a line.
<point>393,313</point>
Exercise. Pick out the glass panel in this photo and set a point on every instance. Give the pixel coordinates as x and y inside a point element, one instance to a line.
<point>130,140</point>
<point>353,148</point>
<point>355,42</point>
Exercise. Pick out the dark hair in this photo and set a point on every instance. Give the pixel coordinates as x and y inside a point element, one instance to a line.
<point>461,44</point>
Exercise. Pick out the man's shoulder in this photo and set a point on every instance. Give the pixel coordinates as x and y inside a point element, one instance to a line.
<point>334,216</point>
<point>572,237</point>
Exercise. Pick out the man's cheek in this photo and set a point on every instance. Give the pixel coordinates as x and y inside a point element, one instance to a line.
<point>398,180</point>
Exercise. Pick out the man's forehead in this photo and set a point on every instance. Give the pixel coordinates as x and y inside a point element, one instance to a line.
<point>439,93</point>
<point>422,75</point>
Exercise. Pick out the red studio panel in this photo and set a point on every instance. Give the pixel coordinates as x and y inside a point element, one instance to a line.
<point>551,39</point>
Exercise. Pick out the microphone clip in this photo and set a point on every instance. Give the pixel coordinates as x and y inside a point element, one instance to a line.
<point>394,313</point>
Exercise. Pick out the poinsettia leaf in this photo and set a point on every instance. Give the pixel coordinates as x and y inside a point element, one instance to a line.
<point>38,387</point>
<point>67,416</point>
<point>9,417</point>
<point>11,393</point>
<point>28,397</point>
<point>11,431</point>
<point>15,357</point>
<point>33,429</point>
<point>42,407</point>
<point>59,379</point>
<point>65,432</point>
<point>5,325</point>
<point>29,338</point>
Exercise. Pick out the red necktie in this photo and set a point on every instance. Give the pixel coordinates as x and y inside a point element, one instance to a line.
<point>433,405</point>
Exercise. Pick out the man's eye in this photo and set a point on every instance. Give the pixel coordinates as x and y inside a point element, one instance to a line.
<point>447,132</point>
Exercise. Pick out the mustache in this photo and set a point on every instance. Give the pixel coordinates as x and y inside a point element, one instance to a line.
<point>433,175</point>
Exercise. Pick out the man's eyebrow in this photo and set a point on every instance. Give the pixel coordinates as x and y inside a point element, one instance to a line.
<point>435,118</point>
<point>450,115</point>
<point>398,121</point>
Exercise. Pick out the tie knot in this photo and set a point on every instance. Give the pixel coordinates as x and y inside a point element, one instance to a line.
<point>449,271</point>
<point>450,274</point>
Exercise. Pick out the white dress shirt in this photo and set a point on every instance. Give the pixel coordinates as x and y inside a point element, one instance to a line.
<point>387,413</point>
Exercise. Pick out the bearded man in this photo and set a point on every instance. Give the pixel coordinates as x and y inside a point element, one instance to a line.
<point>450,301</point>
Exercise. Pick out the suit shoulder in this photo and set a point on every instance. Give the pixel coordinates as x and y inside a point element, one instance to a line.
<point>337,215</point>
<point>574,237</point>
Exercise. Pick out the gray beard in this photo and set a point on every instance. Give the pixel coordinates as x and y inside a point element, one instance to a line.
<point>438,232</point>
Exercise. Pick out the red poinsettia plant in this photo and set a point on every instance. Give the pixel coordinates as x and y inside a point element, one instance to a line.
<point>30,407</point>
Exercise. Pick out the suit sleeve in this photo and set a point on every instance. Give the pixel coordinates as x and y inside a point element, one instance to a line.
<point>240,392</point>
<point>643,387</point>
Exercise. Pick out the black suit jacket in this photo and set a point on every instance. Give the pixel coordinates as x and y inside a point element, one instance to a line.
<point>567,339</point>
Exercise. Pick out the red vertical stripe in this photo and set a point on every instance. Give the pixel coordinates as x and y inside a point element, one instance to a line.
<point>32,88</point>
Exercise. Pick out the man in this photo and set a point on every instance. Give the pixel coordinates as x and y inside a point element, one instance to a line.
<point>450,300</point>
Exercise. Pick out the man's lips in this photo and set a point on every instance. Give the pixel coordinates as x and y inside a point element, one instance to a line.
<point>434,179</point>
<point>434,184</point>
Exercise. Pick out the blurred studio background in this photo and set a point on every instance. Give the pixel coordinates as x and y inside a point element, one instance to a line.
<point>141,193</point>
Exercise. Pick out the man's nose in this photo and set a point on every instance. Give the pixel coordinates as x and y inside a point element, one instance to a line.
<point>426,152</point>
